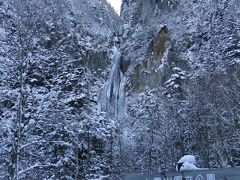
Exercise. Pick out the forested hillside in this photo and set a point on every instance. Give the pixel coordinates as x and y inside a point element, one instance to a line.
<point>52,65</point>
<point>88,94</point>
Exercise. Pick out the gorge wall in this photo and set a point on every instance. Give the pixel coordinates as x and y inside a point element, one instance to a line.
<point>86,94</point>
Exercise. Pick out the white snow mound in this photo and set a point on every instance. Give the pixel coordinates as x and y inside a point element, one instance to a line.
<point>188,166</point>
<point>187,162</point>
<point>188,158</point>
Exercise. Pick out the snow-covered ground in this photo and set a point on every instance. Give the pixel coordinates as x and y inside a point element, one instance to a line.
<point>187,162</point>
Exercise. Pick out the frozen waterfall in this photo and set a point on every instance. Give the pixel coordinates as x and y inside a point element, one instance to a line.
<point>112,98</point>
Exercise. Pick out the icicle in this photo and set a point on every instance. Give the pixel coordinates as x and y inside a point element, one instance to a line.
<point>112,98</point>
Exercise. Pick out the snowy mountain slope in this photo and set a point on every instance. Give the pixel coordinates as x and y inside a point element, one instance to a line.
<point>190,29</point>
<point>52,67</point>
<point>181,61</point>
<point>97,17</point>
<point>171,87</point>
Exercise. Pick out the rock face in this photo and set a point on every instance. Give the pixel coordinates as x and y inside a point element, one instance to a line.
<point>165,34</point>
<point>150,64</point>
<point>150,72</point>
<point>169,51</point>
<point>56,65</point>
<point>158,44</point>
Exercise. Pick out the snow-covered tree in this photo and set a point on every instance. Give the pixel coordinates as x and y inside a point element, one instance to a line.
<point>174,87</point>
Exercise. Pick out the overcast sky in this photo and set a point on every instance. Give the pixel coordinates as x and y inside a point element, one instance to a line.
<point>116,4</point>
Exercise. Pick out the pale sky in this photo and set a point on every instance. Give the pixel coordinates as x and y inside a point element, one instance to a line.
<point>116,4</point>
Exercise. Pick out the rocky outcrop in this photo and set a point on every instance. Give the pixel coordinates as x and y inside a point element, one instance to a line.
<point>158,43</point>
<point>150,72</point>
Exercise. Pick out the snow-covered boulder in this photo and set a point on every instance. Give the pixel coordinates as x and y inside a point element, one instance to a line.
<point>187,162</point>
